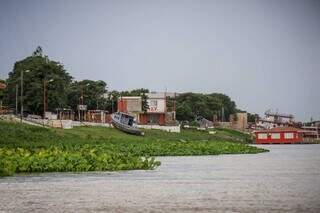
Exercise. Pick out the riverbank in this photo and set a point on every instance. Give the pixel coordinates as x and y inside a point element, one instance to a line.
<point>25,148</point>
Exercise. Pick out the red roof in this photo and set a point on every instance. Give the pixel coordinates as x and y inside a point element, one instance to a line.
<point>281,129</point>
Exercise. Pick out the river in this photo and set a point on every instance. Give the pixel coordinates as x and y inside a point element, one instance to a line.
<point>286,179</point>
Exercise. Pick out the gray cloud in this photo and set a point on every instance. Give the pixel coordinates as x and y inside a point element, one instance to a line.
<point>264,54</point>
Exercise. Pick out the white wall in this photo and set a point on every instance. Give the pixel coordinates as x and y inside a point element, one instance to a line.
<point>156,105</point>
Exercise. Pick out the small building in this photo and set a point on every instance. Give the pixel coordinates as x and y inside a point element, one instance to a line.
<point>311,133</point>
<point>156,114</point>
<point>97,116</point>
<point>279,135</point>
<point>65,114</point>
<point>239,120</point>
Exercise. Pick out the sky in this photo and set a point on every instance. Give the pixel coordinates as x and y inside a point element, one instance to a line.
<point>264,54</point>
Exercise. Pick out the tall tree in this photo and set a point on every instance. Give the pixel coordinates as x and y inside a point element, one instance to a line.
<point>40,69</point>
<point>190,105</point>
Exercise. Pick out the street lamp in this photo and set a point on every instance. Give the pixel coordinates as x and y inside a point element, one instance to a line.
<point>45,96</point>
<point>111,98</point>
<point>81,99</point>
<point>21,95</point>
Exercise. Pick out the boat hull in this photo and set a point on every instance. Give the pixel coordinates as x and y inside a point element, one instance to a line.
<point>125,128</point>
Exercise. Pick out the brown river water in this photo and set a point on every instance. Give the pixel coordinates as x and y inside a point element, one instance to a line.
<point>287,179</point>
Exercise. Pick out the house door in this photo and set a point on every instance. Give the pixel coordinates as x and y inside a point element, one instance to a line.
<point>153,119</point>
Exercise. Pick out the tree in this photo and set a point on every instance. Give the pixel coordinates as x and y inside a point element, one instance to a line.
<point>93,94</point>
<point>112,101</point>
<point>190,105</point>
<point>135,92</point>
<point>252,117</point>
<point>40,69</point>
<point>184,112</point>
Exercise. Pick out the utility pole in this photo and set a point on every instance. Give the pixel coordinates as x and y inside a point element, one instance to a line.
<point>222,114</point>
<point>81,100</point>
<point>17,88</point>
<point>44,99</point>
<point>45,96</point>
<point>21,94</point>
<point>21,99</point>
<point>111,99</point>
<point>174,107</point>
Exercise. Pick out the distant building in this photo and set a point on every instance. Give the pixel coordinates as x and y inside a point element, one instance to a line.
<point>275,119</point>
<point>156,114</point>
<point>239,120</point>
<point>279,135</point>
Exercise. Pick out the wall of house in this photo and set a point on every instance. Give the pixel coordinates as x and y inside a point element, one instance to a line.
<point>156,105</point>
<point>271,137</point>
<point>122,105</point>
<point>145,119</point>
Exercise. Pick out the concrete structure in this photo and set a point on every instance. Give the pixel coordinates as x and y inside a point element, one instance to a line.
<point>65,114</point>
<point>97,116</point>
<point>157,113</point>
<point>311,132</point>
<point>163,128</point>
<point>239,120</point>
<point>279,135</point>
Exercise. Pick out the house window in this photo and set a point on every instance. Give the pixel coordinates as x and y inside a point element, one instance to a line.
<point>262,136</point>
<point>275,136</point>
<point>288,135</point>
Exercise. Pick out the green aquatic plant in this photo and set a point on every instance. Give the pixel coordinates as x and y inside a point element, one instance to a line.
<point>25,148</point>
<point>64,158</point>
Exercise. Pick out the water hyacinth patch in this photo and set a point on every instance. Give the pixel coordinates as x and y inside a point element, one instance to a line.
<point>64,158</point>
<point>25,148</point>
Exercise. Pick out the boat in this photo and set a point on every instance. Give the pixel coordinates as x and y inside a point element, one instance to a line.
<point>125,123</point>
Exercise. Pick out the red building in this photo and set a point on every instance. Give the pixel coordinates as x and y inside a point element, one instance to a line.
<point>279,135</point>
<point>156,114</point>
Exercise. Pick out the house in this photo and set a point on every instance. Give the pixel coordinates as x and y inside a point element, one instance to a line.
<point>279,135</point>
<point>156,114</point>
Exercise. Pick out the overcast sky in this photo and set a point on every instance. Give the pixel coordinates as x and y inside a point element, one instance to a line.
<point>263,54</point>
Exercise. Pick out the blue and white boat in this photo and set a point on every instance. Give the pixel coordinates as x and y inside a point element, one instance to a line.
<point>125,123</point>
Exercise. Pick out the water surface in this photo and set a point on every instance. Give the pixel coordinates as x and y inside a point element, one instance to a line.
<point>286,179</point>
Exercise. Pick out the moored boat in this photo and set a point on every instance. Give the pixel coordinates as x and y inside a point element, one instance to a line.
<point>125,123</point>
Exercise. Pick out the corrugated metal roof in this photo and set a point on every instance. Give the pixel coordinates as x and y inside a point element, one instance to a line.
<point>281,129</point>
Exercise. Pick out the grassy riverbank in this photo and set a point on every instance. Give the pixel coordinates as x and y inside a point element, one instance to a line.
<point>25,148</point>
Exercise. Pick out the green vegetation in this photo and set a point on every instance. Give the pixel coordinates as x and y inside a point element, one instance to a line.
<point>190,105</point>
<point>66,158</point>
<point>25,148</point>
